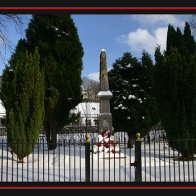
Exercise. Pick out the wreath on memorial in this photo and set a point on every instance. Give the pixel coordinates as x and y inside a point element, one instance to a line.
<point>108,141</point>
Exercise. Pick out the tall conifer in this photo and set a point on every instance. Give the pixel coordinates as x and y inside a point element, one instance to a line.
<point>23,98</point>
<point>61,53</point>
<point>175,72</point>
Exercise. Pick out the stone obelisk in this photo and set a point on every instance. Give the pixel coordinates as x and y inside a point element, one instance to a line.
<point>104,95</point>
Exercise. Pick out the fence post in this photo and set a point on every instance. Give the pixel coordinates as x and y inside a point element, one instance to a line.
<point>138,164</point>
<point>87,158</point>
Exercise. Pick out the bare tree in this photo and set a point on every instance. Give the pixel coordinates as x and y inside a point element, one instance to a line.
<point>192,22</point>
<point>90,89</point>
<point>5,21</point>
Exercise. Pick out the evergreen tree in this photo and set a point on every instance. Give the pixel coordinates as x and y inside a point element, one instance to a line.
<point>174,38</point>
<point>131,83</point>
<point>171,38</point>
<point>61,54</point>
<point>23,97</point>
<point>189,39</point>
<point>147,79</point>
<point>176,91</point>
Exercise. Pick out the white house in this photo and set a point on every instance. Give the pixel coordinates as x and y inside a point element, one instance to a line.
<point>88,111</point>
<point>2,114</point>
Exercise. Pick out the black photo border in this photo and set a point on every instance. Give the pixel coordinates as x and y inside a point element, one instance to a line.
<point>98,7</point>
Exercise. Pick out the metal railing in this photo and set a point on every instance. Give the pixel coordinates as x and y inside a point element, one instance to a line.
<point>76,160</point>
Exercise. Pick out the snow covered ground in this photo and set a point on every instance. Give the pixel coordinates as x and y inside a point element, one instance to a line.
<point>67,164</point>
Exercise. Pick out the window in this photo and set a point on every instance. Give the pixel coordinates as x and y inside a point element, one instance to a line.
<point>96,122</point>
<point>88,122</point>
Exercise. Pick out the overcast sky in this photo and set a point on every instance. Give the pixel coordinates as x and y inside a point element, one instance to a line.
<point>116,33</point>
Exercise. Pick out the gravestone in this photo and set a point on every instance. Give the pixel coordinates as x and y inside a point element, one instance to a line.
<point>104,95</point>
